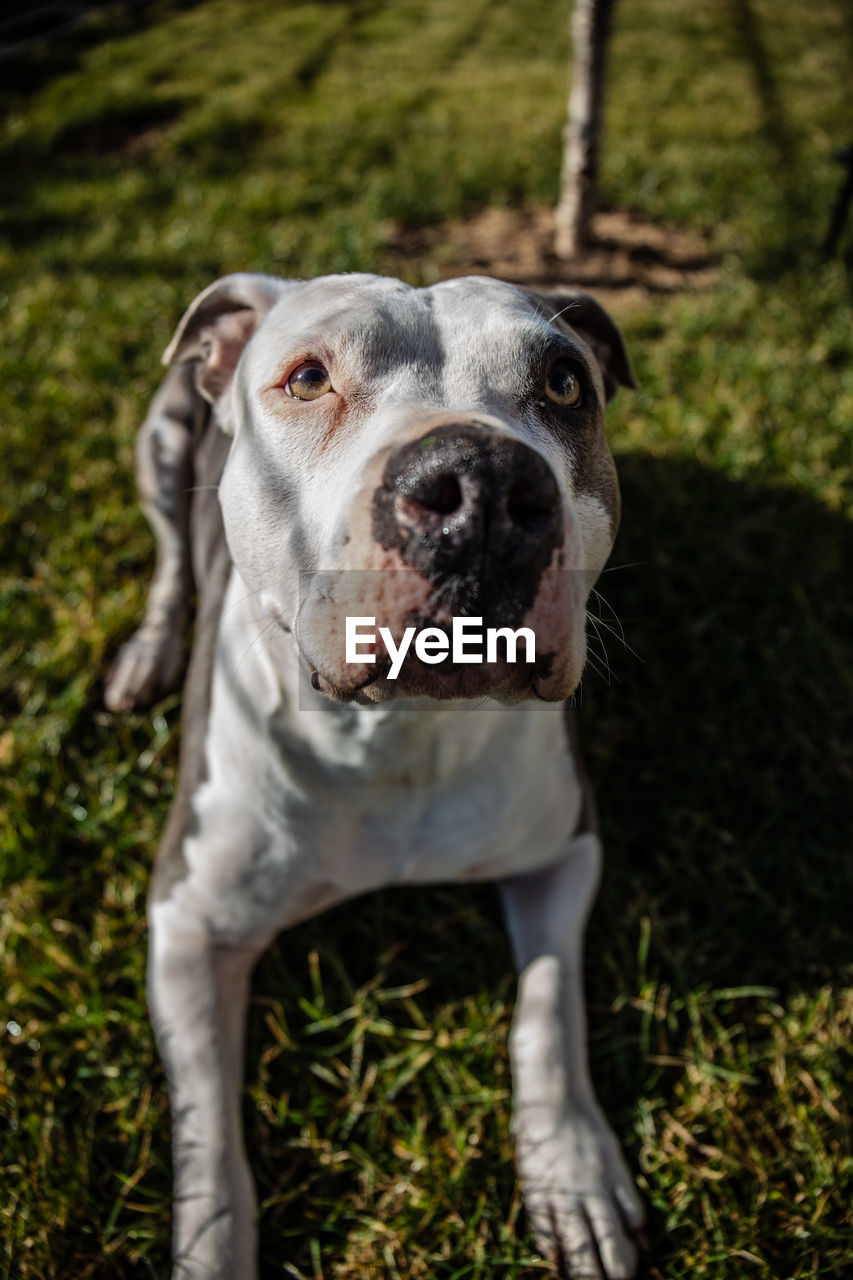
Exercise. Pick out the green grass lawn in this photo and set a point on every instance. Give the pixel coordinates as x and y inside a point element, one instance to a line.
<point>146,157</point>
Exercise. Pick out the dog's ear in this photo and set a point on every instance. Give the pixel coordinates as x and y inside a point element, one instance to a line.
<point>580,311</point>
<point>216,327</point>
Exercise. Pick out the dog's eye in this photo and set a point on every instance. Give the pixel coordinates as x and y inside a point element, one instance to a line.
<point>309,381</point>
<point>563,385</point>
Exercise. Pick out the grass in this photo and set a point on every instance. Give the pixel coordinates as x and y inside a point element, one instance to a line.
<point>152,153</point>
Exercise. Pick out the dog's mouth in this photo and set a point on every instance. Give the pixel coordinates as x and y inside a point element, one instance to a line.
<point>372,636</point>
<point>509,677</point>
<point>424,684</point>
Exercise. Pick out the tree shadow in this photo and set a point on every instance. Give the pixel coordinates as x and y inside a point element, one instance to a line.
<point>47,41</point>
<point>795,232</point>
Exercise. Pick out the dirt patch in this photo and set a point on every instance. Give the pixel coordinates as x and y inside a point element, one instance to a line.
<point>626,253</point>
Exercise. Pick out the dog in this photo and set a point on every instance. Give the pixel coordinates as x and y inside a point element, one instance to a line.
<point>344,469</point>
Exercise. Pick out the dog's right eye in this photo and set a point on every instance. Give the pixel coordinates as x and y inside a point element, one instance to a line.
<point>563,384</point>
<point>309,381</point>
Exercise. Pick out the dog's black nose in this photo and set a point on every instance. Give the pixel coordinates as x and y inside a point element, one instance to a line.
<point>469,503</point>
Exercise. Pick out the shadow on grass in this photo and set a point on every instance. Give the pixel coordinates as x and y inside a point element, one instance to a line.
<point>723,760</point>
<point>54,44</point>
<point>793,235</point>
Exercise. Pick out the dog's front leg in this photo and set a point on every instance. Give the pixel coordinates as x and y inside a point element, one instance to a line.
<point>198,992</point>
<point>580,1198</point>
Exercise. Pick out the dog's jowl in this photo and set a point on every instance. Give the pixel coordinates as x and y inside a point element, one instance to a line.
<point>329,454</point>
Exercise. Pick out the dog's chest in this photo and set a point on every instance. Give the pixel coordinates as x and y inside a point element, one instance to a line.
<point>357,797</point>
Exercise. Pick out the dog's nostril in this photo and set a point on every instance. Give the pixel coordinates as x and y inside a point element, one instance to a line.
<point>525,503</point>
<point>441,494</point>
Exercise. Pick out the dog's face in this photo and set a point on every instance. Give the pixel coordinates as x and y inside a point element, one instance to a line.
<point>412,456</point>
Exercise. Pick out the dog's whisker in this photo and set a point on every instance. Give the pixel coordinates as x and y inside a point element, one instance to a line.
<point>617,635</point>
<point>617,568</point>
<point>601,667</point>
<point>473,705</point>
<point>539,306</point>
<point>604,656</point>
<point>241,600</point>
<point>616,632</point>
<point>261,634</point>
<point>604,601</point>
<point>573,305</point>
<point>595,665</point>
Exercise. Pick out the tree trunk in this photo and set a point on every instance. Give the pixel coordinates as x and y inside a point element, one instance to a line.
<point>579,179</point>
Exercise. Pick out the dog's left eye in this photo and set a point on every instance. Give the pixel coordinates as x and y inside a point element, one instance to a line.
<point>563,384</point>
<point>309,381</point>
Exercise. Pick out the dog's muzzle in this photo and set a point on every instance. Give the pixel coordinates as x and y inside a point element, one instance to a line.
<point>476,513</point>
<point>466,521</point>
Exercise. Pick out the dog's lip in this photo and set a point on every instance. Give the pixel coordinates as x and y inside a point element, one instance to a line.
<point>323,683</point>
<point>436,686</point>
<point>342,693</point>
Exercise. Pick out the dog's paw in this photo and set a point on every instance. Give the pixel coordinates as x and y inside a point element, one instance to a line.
<point>581,1201</point>
<point>147,667</point>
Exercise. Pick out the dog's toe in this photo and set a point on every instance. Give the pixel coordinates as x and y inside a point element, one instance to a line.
<point>585,1212</point>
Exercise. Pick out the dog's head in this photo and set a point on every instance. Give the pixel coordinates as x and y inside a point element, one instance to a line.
<point>415,456</point>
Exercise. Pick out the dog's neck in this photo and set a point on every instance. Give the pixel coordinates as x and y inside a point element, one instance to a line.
<point>433,739</point>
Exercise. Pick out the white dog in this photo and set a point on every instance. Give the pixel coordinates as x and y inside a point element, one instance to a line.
<point>381,465</point>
